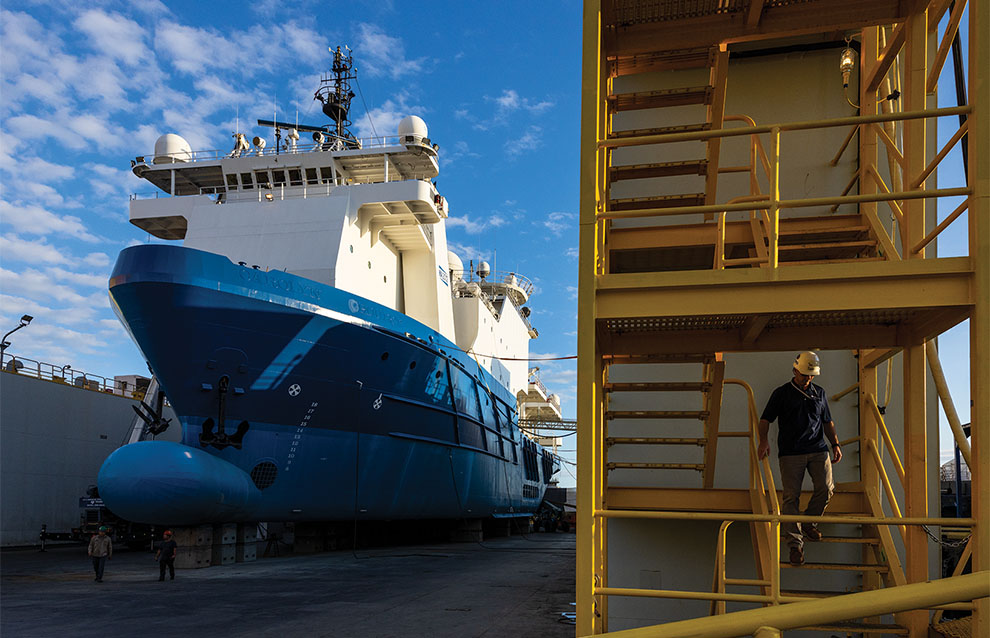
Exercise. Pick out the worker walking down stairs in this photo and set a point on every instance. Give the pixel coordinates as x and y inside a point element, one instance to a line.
<point>803,425</point>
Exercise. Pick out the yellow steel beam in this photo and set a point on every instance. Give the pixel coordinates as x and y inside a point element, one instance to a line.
<point>979,323</point>
<point>589,399</point>
<point>941,283</point>
<point>713,405</point>
<point>777,21</point>
<point>915,369</point>
<point>793,616</point>
<point>931,353</point>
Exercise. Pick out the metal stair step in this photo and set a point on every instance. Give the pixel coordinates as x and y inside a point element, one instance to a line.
<point>656,414</point>
<point>805,262</point>
<point>849,539</point>
<point>661,61</point>
<point>814,593</point>
<point>864,243</point>
<point>660,99</point>
<point>660,130</point>
<point>859,628</point>
<point>825,230</point>
<point>664,201</point>
<point>656,466</point>
<point>659,169</point>
<point>846,567</point>
<point>637,440</point>
<point>666,386</point>
<point>658,358</point>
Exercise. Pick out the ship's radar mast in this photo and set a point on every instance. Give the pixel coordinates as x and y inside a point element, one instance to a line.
<point>335,90</point>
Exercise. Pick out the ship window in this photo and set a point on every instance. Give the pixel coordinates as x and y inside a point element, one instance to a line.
<point>262,179</point>
<point>384,356</point>
<point>352,247</point>
<point>295,177</point>
<point>327,174</point>
<point>465,394</point>
<point>278,177</point>
<point>412,365</point>
<point>246,182</point>
<point>369,265</point>
<point>385,278</point>
<point>231,180</point>
<point>311,176</point>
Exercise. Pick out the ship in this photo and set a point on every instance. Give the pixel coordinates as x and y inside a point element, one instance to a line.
<point>327,356</point>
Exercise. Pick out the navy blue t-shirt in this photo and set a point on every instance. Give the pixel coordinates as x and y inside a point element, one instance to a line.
<point>803,415</point>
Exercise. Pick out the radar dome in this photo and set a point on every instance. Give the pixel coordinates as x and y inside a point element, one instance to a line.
<point>454,264</point>
<point>171,148</point>
<point>484,269</point>
<point>413,125</point>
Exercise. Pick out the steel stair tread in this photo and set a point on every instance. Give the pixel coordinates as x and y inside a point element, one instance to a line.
<point>655,466</point>
<point>660,99</point>
<point>838,567</point>
<point>658,169</point>
<point>859,627</point>
<point>660,130</point>
<point>661,61</point>
<point>659,386</point>
<point>656,414</point>
<point>814,593</point>
<point>664,201</point>
<point>640,440</point>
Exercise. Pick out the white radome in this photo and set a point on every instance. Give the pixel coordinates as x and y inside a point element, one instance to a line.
<point>413,125</point>
<point>454,264</point>
<point>171,148</point>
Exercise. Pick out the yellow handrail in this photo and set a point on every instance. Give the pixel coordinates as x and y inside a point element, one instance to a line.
<point>886,438</point>
<point>875,454</point>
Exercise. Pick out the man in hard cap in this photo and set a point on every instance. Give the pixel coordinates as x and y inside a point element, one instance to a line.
<point>100,549</point>
<point>803,426</point>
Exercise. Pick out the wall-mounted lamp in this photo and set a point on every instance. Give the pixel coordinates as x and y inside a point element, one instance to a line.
<point>269,196</point>
<point>847,62</point>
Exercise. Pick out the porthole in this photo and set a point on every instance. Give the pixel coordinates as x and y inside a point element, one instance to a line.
<point>369,265</point>
<point>412,364</point>
<point>439,374</point>
<point>352,248</point>
<point>385,279</point>
<point>384,356</point>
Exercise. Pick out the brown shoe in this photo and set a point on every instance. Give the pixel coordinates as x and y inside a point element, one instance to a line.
<point>811,533</point>
<point>797,556</point>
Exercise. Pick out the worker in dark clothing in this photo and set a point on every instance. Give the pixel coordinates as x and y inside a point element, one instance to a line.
<point>100,549</point>
<point>166,556</point>
<point>804,424</point>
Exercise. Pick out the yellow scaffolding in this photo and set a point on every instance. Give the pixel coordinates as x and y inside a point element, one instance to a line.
<point>700,274</point>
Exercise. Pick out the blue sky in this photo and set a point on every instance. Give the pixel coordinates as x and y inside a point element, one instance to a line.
<point>86,88</point>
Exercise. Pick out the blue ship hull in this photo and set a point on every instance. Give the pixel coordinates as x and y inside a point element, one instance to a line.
<point>299,401</point>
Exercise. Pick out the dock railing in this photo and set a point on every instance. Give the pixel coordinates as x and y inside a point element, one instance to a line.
<point>66,375</point>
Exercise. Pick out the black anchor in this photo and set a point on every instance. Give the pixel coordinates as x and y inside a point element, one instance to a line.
<point>220,439</point>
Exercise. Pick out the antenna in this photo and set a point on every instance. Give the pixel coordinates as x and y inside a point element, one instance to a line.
<point>335,92</point>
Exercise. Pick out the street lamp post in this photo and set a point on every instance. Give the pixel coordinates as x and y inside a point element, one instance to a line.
<point>25,320</point>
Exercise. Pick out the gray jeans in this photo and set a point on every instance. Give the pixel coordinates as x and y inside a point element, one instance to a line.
<point>792,469</point>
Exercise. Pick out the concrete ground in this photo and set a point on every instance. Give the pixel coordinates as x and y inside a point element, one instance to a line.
<point>513,586</point>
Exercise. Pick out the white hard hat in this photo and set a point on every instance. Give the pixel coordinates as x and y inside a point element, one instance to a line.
<point>807,363</point>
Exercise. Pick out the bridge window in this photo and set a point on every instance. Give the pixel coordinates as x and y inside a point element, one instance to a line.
<point>246,182</point>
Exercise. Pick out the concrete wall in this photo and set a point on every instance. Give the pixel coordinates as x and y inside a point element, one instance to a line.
<point>53,440</point>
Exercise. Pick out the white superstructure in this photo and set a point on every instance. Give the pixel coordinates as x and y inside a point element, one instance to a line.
<point>361,215</point>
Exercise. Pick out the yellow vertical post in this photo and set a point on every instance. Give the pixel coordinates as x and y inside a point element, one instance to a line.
<point>915,430</point>
<point>589,465</point>
<point>869,52</point>
<point>979,322</point>
<point>774,194</point>
<point>868,474</point>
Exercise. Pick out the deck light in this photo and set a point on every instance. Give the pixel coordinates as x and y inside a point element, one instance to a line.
<point>25,320</point>
<point>846,63</point>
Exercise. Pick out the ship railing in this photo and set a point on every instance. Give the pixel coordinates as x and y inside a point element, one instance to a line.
<point>302,189</point>
<point>66,375</point>
<point>496,279</point>
<point>535,380</point>
<point>366,143</point>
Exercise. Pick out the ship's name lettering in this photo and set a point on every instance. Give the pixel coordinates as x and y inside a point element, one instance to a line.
<point>375,313</point>
<point>279,283</point>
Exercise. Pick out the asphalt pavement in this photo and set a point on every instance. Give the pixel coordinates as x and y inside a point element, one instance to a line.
<point>510,586</point>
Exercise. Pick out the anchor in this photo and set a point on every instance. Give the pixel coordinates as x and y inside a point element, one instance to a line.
<point>153,417</point>
<point>220,439</point>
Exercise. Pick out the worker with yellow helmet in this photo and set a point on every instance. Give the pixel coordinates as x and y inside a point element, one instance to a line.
<point>804,422</point>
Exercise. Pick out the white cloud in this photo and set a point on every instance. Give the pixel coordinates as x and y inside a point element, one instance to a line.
<point>572,292</point>
<point>510,100</point>
<point>381,54</point>
<point>531,140</point>
<point>114,35</point>
<point>572,252</point>
<point>35,220</point>
<point>468,253</point>
<point>558,222</point>
<point>77,278</point>
<point>96,260</point>
<point>386,118</point>
<point>36,284</point>
<point>13,248</point>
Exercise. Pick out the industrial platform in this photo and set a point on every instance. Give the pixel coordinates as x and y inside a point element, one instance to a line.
<point>516,586</point>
